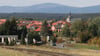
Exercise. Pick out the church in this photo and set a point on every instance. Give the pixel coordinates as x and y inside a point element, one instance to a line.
<point>57,26</point>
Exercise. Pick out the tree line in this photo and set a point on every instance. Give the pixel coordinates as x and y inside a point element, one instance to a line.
<point>84,31</point>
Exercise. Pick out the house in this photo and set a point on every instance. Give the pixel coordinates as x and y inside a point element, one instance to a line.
<point>2,21</point>
<point>38,29</point>
<point>37,25</point>
<point>31,25</point>
<point>57,26</point>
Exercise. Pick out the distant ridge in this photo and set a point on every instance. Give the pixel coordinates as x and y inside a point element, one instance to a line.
<point>49,8</point>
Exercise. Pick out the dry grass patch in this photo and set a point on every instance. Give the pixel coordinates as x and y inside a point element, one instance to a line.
<point>6,52</point>
<point>80,52</point>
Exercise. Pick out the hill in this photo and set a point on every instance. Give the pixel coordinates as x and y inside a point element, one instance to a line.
<point>49,8</point>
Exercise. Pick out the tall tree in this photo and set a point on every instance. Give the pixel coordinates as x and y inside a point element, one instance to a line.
<point>77,26</point>
<point>23,34</point>
<point>45,30</point>
<point>9,27</point>
<point>13,26</point>
<point>93,26</point>
<point>66,31</point>
<point>34,35</point>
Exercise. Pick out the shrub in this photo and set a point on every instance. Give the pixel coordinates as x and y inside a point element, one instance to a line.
<point>94,41</point>
<point>44,39</point>
<point>32,35</point>
<point>54,39</point>
<point>84,36</point>
<point>13,42</point>
<point>6,41</point>
<point>59,40</point>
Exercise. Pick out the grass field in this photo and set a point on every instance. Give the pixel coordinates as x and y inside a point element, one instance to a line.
<point>6,52</point>
<point>85,46</point>
<point>80,52</point>
<point>77,52</point>
<point>84,51</point>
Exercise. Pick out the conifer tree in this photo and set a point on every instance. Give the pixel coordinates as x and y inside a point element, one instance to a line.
<point>45,30</point>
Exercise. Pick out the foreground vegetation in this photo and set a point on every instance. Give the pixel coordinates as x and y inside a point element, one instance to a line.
<point>84,31</point>
<point>70,51</point>
<point>83,46</point>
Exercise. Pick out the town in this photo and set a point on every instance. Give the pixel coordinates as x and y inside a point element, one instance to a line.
<point>33,25</point>
<point>50,28</point>
<point>63,34</point>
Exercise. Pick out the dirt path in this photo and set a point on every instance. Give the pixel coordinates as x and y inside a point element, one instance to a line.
<point>31,51</point>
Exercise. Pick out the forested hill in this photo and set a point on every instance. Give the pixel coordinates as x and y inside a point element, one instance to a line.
<point>46,15</point>
<point>49,8</point>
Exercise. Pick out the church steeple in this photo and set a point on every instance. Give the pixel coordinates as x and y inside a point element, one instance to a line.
<point>69,17</point>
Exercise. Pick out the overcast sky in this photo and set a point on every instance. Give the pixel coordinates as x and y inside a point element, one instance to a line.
<point>75,3</point>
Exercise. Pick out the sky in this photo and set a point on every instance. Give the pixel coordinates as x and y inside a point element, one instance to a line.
<point>74,3</point>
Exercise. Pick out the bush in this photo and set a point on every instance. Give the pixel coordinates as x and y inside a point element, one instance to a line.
<point>30,38</point>
<point>32,35</point>
<point>13,42</point>
<point>54,39</point>
<point>84,36</point>
<point>94,41</point>
<point>59,40</point>
<point>6,41</point>
<point>22,40</point>
<point>44,39</point>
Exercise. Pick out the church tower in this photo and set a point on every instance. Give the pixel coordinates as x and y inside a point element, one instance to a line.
<point>69,18</point>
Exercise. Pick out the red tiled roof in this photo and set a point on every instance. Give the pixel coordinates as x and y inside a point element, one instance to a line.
<point>68,23</point>
<point>54,23</point>
<point>1,23</point>
<point>3,20</point>
<point>63,22</point>
<point>60,21</point>
<point>20,24</point>
<point>38,29</point>
<point>28,26</point>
